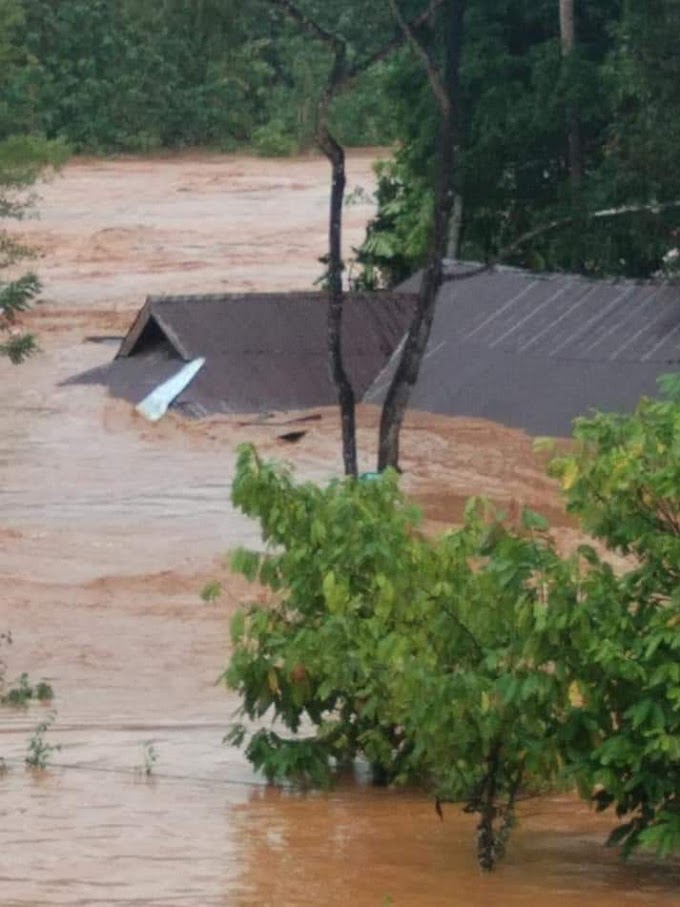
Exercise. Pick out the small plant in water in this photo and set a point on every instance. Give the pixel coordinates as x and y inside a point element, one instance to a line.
<point>22,690</point>
<point>150,759</point>
<point>5,640</point>
<point>39,750</point>
<point>211,592</point>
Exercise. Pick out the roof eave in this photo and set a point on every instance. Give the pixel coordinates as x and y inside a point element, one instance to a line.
<point>150,312</point>
<point>135,332</point>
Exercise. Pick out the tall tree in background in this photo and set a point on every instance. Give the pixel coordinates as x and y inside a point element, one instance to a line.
<point>568,40</point>
<point>642,160</point>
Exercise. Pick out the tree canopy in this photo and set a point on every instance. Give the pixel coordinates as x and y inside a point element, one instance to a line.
<point>133,75</point>
<point>516,91</point>
<point>481,665</point>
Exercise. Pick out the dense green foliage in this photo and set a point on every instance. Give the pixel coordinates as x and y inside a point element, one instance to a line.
<point>480,663</point>
<point>516,89</point>
<point>624,484</point>
<point>132,75</point>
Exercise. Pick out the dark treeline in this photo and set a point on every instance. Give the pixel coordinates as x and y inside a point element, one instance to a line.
<point>136,75</point>
<point>522,93</point>
<point>552,127</point>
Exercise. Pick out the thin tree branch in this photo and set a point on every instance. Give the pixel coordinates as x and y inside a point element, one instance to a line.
<point>445,85</point>
<point>307,24</point>
<point>595,215</point>
<point>459,623</point>
<point>542,229</point>
<point>423,54</point>
<point>396,42</point>
<point>317,31</point>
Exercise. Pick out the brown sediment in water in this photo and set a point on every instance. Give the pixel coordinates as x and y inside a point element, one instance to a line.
<point>110,527</point>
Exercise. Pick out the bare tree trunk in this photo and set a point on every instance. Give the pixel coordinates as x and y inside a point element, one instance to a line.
<point>568,39</point>
<point>486,835</point>
<point>339,75</point>
<point>336,155</point>
<point>446,92</point>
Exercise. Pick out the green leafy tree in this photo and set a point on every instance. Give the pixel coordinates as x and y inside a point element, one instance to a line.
<point>482,663</point>
<point>416,655</point>
<point>22,160</point>
<point>624,484</point>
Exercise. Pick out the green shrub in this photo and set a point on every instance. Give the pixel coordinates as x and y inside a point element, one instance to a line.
<point>479,664</point>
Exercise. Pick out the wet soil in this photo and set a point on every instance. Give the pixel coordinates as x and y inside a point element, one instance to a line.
<point>109,527</point>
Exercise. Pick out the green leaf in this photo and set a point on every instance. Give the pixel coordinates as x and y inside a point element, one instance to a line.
<point>533,520</point>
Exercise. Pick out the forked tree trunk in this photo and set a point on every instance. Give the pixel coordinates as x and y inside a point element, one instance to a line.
<point>408,368</point>
<point>340,73</point>
<point>340,76</point>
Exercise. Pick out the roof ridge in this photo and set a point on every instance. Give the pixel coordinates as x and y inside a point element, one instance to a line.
<point>452,265</point>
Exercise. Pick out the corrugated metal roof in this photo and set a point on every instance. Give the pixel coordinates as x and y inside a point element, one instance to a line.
<point>275,323</point>
<point>535,351</point>
<point>263,352</point>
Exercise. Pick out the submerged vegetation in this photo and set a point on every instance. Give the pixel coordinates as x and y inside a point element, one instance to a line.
<point>22,690</point>
<point>150,754</point>
<point>20,693</point>
<point>40,751</point>
<point>482,662</point>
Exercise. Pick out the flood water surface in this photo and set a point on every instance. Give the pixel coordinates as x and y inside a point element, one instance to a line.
<point>97,837</point>
<point>110,527</point>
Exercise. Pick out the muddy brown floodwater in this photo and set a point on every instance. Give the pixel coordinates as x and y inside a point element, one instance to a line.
<point>108,530</point>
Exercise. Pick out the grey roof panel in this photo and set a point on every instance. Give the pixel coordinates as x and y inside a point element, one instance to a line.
<point>535,351</point>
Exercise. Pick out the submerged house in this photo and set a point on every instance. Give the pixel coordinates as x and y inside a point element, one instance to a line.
<point>530,351</point>
<point>252,352</point>
<point>534,351</point>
